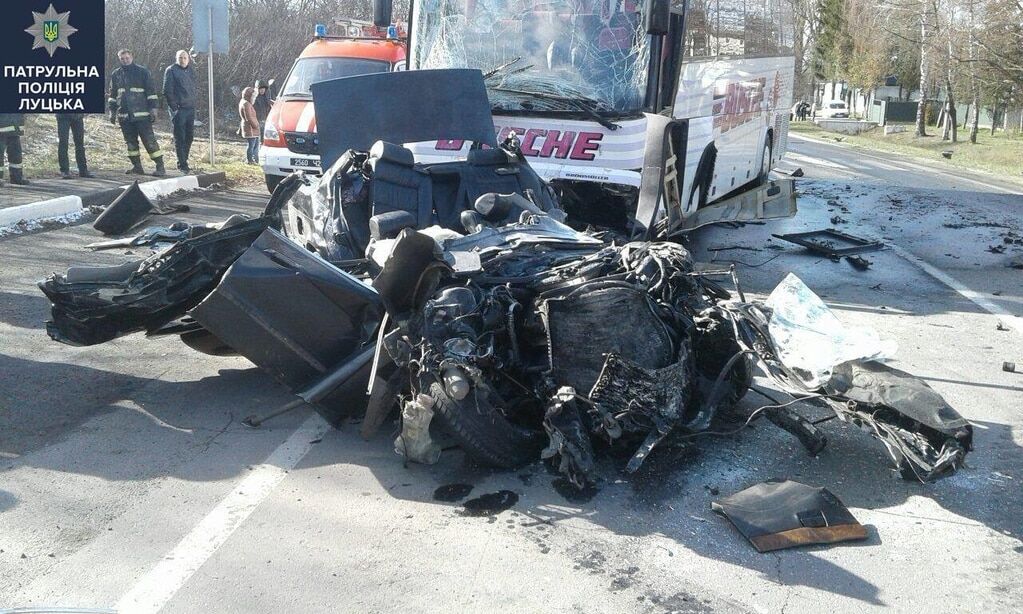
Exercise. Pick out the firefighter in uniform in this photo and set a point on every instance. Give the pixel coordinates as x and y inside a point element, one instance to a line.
<point>133,103</point>
<point>10,143</point>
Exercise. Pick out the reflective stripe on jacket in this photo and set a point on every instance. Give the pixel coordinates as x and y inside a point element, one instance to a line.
<point>132,95</point>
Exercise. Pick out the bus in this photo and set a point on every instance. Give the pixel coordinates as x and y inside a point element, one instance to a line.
<point>668,109</point>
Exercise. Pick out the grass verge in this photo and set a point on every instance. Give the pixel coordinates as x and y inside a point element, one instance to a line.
<point>105,151</point>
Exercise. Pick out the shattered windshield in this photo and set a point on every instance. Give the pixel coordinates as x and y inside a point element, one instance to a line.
<point>312,70</point>
<point>540,55</point>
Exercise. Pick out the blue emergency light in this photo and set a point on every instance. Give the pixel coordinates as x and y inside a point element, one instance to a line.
<point>392,31</point>
<point>321,30</point>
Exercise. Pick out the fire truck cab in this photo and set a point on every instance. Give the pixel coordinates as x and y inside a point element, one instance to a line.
<point>290,142</point>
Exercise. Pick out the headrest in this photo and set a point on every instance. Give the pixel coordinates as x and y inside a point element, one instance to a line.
<point>390,152</point>
<point>486,157</point>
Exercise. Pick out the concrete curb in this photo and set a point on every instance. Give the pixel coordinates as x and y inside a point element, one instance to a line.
<point>65,205</point>
<point>54,207</point>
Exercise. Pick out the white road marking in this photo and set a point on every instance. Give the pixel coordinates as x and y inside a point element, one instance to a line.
<point>797,157</point>
<point>977,298</point>
<point>160,584</point>
<point>904,163</point>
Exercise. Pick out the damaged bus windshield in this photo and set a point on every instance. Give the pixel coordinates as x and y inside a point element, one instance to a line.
<point>538,55</point>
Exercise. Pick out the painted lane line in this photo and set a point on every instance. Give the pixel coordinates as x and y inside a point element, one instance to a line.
<point>159,585</point>
<point>975,297</point>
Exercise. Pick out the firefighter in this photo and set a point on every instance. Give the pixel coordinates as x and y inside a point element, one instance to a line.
<point>10,143</point>
<point>133,104</point>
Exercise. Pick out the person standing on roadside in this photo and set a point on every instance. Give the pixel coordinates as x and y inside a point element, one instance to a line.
<point>73,123</point>
<point>179,90</point>
<point>10,143</point>
<point>262,105</point>
<point>250,125</point>
<point>133,104</point>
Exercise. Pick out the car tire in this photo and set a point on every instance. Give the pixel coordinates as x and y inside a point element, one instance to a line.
<point>482,430</point>
<point>272,181</point>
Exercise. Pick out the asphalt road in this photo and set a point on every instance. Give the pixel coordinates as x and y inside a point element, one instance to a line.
<point>126,479</point>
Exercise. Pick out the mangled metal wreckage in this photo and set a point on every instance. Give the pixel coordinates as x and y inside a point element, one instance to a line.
<point>456,294</point>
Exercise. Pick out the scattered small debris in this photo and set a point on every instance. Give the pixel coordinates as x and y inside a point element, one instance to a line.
<point>1001,326</point>
<point>876,287</point>
<point>725,248</point>
<point>1016,264</point>
<point>996,249</point>
<point>838,219</point>
<point>947,154</point>
<point>574,494</point>
<point>859,262</point>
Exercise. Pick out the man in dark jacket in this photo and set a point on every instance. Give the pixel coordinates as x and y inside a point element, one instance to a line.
<point>73,123</point>
<point>179,89</point>
<point>262,105</point>
<point>133,103</point>
<point>10,142</point>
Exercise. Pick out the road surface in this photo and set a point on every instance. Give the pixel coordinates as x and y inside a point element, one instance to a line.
<point>127,481</point>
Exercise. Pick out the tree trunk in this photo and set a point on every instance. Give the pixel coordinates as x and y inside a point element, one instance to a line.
<point>921,109</point>
<point>974,89</point>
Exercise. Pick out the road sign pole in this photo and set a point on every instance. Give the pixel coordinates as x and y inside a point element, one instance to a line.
<point>213,158</point>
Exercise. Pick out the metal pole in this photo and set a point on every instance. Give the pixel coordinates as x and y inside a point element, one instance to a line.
<point>213,159</point>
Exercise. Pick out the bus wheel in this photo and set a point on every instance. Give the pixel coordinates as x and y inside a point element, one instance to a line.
<point>765,163</point>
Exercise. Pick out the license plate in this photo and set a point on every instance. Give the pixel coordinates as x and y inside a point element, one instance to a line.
<point>304,163</point>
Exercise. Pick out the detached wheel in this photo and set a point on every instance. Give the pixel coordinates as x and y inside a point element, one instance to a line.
<point>483,431</point>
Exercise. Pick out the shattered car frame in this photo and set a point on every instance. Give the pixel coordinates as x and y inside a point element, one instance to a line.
<point>456,293</point>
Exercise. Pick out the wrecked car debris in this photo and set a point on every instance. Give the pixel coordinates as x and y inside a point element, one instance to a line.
<point>831,243</point>
<point>156,235</point>
<point>779,514</point>
<point>94,304</point>
<point>457,294</point>
<point>129,209</point>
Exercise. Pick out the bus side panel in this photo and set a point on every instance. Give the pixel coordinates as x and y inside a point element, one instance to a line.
<point>733,102</point>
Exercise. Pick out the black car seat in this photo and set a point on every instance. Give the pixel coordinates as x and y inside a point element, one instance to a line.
<point>399,194</point>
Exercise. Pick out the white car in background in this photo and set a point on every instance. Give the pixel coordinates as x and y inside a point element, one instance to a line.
<point>833,109</point>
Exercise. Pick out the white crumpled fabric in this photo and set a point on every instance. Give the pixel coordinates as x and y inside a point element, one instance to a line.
<point>810,338</point>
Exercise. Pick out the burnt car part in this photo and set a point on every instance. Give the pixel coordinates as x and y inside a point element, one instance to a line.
<point>779,514</point>
<point>93,305</point>
<point>924,436</point>
<point>831,243</point>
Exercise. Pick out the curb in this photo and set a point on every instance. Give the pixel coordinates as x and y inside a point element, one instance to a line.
<point>66,205</point>
<point>54,207</point>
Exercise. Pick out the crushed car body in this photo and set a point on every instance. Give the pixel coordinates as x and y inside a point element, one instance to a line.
<point>461,297</point>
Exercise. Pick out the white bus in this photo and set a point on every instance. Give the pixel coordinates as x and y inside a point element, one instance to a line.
<point>696,93</point>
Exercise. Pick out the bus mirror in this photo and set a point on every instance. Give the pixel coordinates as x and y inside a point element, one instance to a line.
<point>657,16</point>
<point>382,13</point>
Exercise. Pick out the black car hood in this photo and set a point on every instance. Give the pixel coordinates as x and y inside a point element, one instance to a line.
<point>401,107</point>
